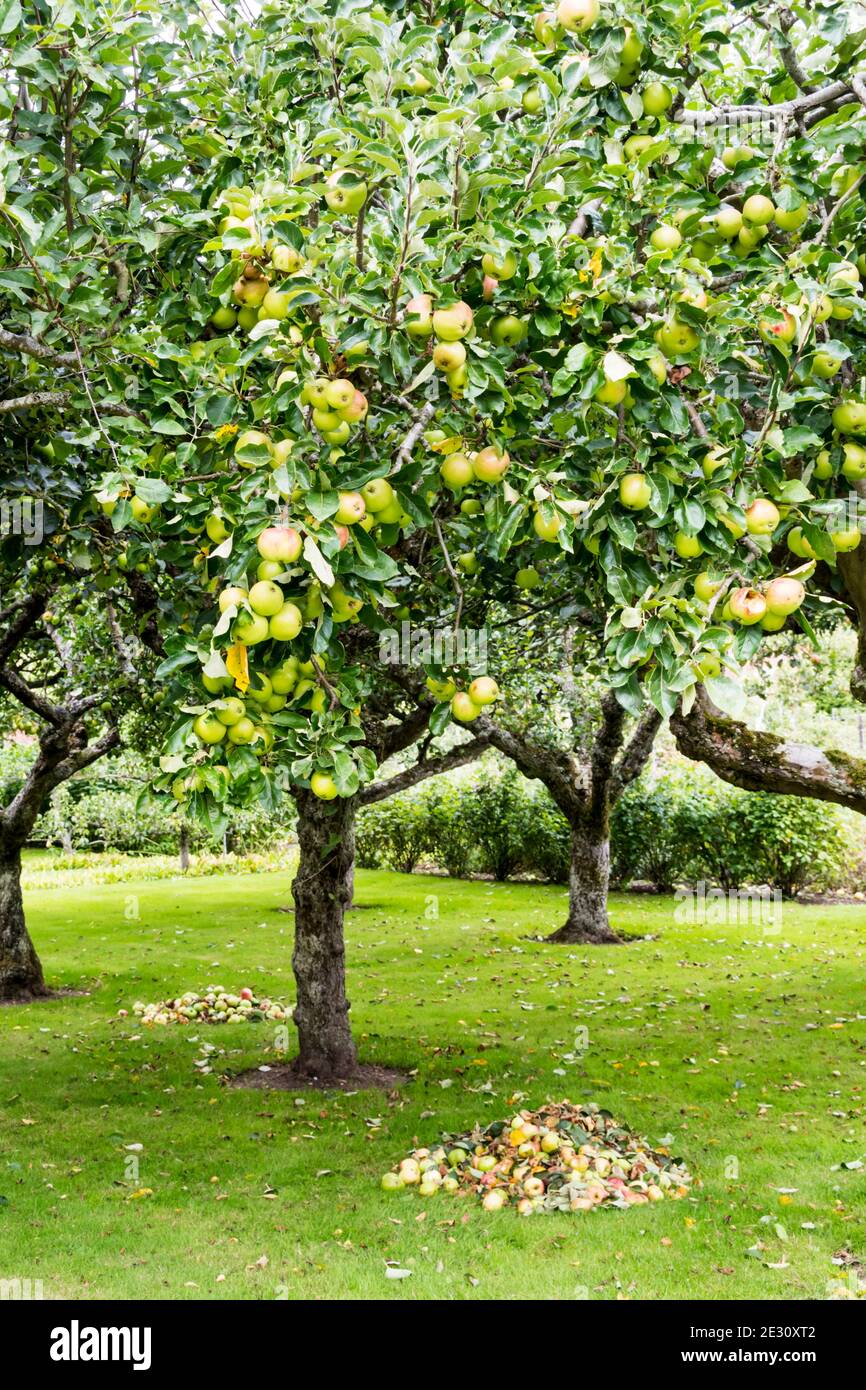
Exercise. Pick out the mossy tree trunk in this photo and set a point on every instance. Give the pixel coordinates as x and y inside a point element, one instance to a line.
<point>321,889</point>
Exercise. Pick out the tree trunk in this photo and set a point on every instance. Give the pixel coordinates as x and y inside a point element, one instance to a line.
<point>20,971</point>
<point>588,878</point>
<point>326,835</point>
<point>184,849</point>
<point>350,885</point>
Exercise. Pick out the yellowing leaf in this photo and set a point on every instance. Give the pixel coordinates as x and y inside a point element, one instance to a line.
<point>237,665</point>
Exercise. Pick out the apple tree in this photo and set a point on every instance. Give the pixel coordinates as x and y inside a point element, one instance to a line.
<point>468,292</point>
<point>99,116</point>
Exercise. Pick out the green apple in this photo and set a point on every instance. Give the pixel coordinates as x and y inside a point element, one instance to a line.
<point>250,628</point>
<point>845,541</point>
<point>634,491</point>
<point>705,587</point>
<point>687,547</point>
<point>532,100</point>
<point>636,145</point>
<point>216,528</point>
<point>260,688</point>
<point>456,471</point>
<point>449,357</point>
<point>142,511</point>
<point>676,338</point>
<point>346,193</point>
<point>825,365</point>
<point>232,597</point>
<point>441,690</point>
<point>732,155</point>
<point>209,728</point>
<point>286,259</point>
<point>791,219</point>
<point>339,436</point>
<point>547,530</point>
<point>377,494</point>
<point>854,466</point>
<point>215,685</point>
<point>464,708</point>
<point>419,316</point>
<point>452,322</point>
<point>508,331</point>
<point>728,222</point>
<point>252,439</point>
<point>666,238</point>
<point>611,393</point>
<point>323,786</point>
<point>244,731</point>
<point>759,210</point>
<point>762,517</point>
<point>656,98</point>
<point>224,318</point>
<point>285,624</point>
<point>351,508</point>
<point>527,578</point>
<point>799,546</point>
<point>849,417</point>
<point>543,27</point>
<point>576,16</point>
<point>339,394</point>
<point>275,305</point>
<point>266,598</point>
<point>502,265</point>
<point>229,710</point>
<point>483,690</point>
<point>823,466</point>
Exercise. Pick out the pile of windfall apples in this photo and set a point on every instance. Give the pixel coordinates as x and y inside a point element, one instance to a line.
<point>562,1157</point>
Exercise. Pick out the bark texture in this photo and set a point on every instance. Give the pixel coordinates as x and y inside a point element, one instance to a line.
<point>21,975</point>
<point>589,875</point>
<point>322,890</point>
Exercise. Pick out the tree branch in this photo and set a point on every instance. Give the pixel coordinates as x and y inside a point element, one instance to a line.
<point>634,756</point>
<point>33,400</point>
<point>542,764</point>
<point>32,347</point>
<point>424,768</point>
<point>763,762</point>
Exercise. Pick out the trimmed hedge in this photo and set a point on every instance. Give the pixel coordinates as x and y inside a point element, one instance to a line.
<point>684,827</point>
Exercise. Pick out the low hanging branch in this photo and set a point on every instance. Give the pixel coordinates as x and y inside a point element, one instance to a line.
<point>763,762</point>
<point>427,767</point>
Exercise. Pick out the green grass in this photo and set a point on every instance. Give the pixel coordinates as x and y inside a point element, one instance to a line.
<point>718,1035</point>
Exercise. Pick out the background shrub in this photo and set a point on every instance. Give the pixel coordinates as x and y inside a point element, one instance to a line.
<point>683,827</point>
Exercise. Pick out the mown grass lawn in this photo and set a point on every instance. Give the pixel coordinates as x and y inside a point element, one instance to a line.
<point>747,1048</point>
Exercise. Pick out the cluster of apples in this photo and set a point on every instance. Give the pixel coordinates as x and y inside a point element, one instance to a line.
<point>488,465</point>
<point>337,406</point>
<point>769,606</point>
<point>466,705</point>
<point>253,295</point>
<point>214,1005</point>
<point>576,17</point>
<point>449,324</point>
<point>563,1157</point>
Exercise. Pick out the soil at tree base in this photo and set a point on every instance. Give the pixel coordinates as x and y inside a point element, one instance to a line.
<point>287,1077</point>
